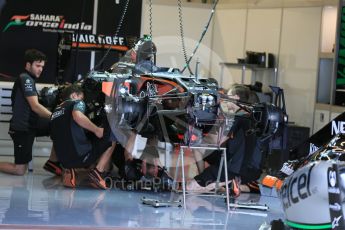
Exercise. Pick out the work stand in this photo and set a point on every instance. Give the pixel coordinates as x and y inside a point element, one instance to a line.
<point>180,163</point>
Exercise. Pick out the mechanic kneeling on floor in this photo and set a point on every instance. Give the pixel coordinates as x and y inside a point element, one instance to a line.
<point>73,147</point>
<point>29,119</point>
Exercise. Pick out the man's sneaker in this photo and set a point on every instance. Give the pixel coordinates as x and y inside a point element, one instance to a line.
<point>97,179</point>
<point>53,167</point>
<point>68,178</point>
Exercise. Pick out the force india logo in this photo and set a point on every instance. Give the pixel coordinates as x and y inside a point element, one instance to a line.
<point>45,22</point>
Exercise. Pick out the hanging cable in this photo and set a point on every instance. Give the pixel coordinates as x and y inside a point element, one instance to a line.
<point>150,18</point>
<point>151,33</point>
<point>182,37</point>
<point>124,12</point>
<point>202,36</point>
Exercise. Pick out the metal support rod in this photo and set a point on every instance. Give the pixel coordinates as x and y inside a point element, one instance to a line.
<point>219,172</point>
<point>226,179</point>
<point>176,171</point>
<point>183,178</point>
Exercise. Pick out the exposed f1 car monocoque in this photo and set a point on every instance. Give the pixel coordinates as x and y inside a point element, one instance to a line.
<point>174,107</point>
<point>168,105</point>
<point>164,104</point>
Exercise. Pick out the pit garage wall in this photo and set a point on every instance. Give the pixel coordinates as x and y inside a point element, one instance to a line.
<point>166,33</point>
<point>291,34</point>
<point>298,63</point>
<point>42,24</point>
<point>17,38</point>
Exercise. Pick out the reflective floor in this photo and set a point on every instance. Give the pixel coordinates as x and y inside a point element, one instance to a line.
<point>39,201</point>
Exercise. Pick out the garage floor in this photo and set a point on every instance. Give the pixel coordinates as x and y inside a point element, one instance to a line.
<point>39,201</point>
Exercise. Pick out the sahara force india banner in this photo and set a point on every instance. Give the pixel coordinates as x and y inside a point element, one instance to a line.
<point>50,25</point>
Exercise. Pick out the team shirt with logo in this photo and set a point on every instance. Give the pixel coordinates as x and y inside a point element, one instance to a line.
<point>23,118</point>
<point>70,141</point>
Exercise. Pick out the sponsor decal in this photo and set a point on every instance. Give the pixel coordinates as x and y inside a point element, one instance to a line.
<point>58,113</point>
<point>334,190</point>
<point>312,148</point>
<point>28,85</point>
<point>287,169</point>
<point>335,207</point>
<point>335,222</point>
<point>58,23</point>
<point>338,127</point>
<point>332,180</point>
<point>16,20</point>
<point>93,41</point>
<point>296,188</point>
<point>48,23</point>
<point>28,88</point>
<point>332,176</point>
<point>334,198</point>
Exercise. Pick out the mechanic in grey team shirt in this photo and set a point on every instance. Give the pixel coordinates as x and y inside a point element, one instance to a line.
<point>78,142</point>
<point>29,117</point>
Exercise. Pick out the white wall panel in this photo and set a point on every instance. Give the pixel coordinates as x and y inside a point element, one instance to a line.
<point>228,42</point>
<point>298,61</point>
<point>263,30</point>
<point>166,35</point>
<point>293,34</point>
<point>263,35</point>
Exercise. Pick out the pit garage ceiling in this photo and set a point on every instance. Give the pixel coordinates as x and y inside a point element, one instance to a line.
<point>270,3</point>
